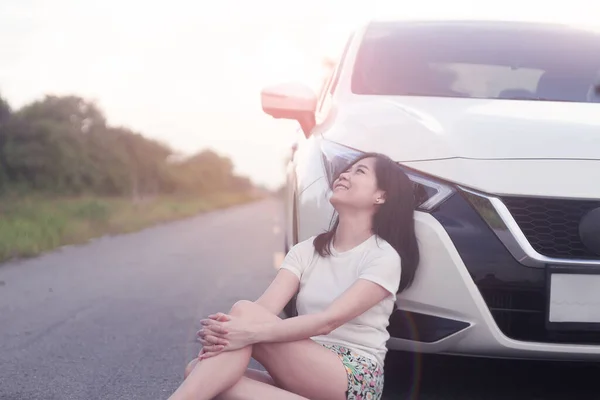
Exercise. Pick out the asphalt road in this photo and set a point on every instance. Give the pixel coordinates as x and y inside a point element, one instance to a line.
<point>116,318</point>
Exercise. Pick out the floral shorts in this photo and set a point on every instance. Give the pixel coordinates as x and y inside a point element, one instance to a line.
<point>365,376</point>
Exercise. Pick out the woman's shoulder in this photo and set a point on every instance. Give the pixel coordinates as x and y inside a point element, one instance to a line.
<point>306,243</point>
<point>381,248</point>
<point>305,247</point>
<point>299,257</point>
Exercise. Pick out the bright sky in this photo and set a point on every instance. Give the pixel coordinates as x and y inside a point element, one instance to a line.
<point>190,74</point>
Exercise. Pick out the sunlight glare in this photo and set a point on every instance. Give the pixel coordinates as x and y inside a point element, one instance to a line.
<point>280,62</point>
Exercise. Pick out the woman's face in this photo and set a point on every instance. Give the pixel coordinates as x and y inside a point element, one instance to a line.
<point>357,186</point>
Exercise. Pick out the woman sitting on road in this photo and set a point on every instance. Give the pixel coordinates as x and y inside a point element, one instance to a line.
<point>346,279</point>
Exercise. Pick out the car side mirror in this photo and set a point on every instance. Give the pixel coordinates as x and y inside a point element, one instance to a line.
<point>291,101</point>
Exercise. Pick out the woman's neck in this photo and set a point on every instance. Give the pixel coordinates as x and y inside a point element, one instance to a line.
<point>352,230</point>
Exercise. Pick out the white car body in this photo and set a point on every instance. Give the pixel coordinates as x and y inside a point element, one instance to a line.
<point>480,276</point>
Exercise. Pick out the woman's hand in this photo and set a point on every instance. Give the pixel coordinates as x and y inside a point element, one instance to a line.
<point>222,332</point>
<point>212,343</point>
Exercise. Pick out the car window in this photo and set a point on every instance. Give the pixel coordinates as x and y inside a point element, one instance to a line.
<point>338,70</point>
<point>325,90</point>
<point>329,88</point>
<point>490,61</point>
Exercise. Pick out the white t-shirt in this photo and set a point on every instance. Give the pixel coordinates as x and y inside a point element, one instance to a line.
<point>323,279</point>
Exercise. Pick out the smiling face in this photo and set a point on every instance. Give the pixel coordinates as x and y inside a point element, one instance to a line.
<point>357,186</point>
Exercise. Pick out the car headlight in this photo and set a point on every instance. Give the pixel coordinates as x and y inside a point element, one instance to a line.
<point>429,192</point>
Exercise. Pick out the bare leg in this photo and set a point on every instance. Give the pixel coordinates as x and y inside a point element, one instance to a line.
<point>301,367</point>
<point>249,389</point>
<point>251,386</point>
<point>216,374</point>
<point>260,376</point>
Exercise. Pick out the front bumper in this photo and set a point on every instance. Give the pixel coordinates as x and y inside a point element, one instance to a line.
<point>472,297</point>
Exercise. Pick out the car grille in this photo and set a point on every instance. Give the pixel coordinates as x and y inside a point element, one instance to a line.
<point>552,225</point>
<point>516,296</point>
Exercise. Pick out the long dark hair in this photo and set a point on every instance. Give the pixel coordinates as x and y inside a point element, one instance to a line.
<point>394,219</point>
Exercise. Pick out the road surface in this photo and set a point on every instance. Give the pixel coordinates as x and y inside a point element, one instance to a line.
<point>116,318</point>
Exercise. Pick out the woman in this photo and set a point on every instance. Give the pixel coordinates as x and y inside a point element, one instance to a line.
<point>346,279</point>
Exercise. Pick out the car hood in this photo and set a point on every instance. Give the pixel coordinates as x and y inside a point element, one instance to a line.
<point>532,178</point>
<point>421,128</point>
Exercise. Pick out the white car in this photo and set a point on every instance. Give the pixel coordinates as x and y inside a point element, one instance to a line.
<point>498,125</point>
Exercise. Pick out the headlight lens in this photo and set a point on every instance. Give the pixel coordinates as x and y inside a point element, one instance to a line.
<point>429,193</point>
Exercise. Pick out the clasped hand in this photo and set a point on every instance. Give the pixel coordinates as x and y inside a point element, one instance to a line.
<point>223,332</point>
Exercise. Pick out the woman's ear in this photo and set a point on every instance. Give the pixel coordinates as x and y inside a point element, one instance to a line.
<point>380,198</point>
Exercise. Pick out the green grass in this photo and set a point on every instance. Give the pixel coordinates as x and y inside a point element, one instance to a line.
<point>33,224</point>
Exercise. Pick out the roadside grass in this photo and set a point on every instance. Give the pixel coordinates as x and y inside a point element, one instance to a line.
<point>31,225</point>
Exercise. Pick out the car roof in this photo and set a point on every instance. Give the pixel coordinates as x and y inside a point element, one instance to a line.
<point>507,23</point>
<point>534,27</point>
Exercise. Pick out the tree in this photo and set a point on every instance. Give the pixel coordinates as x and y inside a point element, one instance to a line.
<point>5,113</point>
<point>72,112</point>
<point>64,145</point>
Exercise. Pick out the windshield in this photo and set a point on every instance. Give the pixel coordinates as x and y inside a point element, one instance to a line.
<point>479,60</point>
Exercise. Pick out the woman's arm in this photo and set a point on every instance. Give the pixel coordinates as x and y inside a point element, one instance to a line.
<point>357,299</point>
<point>238,333</point>
<point>377,279</point>
<point>280,291</point>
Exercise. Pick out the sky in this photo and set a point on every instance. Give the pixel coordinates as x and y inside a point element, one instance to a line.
<point>189,73</point>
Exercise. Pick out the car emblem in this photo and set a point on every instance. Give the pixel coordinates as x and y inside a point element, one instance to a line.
<point>589,230</point>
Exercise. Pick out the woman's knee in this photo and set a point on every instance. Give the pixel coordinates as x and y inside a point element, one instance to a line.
<point>247,308</point>
<point>252,311</point>
<point>243,307</point>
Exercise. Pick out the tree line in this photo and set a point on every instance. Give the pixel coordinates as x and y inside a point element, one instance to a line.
<point>63,145</point>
